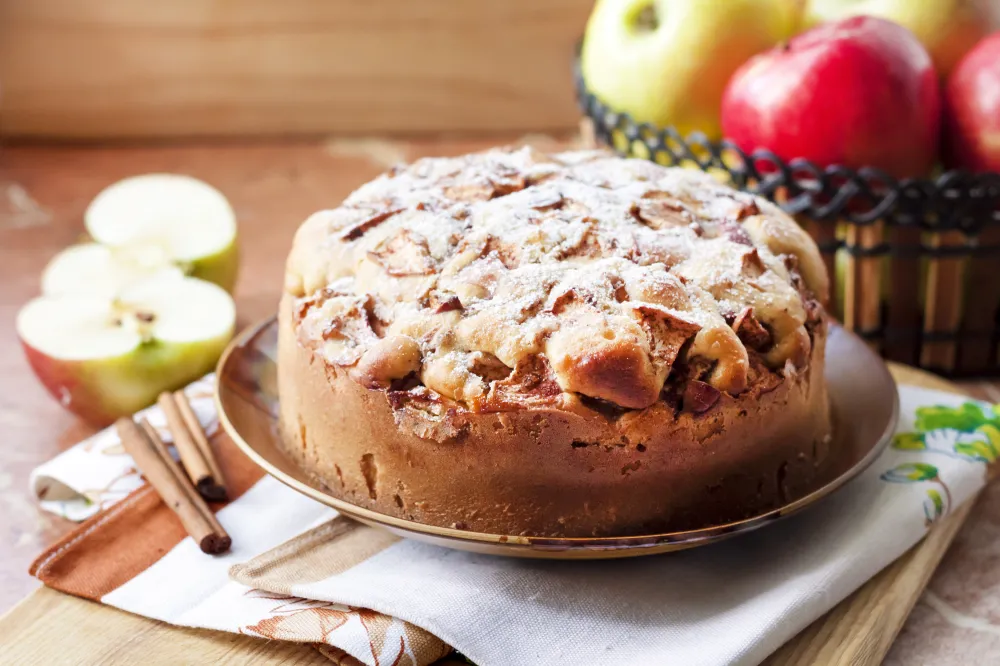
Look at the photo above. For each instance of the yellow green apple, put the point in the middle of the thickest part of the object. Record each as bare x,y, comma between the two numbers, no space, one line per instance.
668,61
947,28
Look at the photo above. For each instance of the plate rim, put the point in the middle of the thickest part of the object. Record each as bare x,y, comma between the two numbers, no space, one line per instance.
681,539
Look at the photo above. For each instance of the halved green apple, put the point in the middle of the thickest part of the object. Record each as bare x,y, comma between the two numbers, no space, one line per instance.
178,219
107,357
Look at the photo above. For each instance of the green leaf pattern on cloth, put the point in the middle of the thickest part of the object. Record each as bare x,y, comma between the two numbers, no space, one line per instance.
933,506
909,441
911,473
969,432
965,418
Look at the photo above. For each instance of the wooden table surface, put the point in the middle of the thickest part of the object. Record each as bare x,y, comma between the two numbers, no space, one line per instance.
273,187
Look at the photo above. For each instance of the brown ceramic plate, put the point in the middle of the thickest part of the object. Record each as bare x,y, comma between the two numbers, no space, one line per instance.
862,392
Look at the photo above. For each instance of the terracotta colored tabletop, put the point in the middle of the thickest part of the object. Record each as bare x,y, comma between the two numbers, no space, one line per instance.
273,187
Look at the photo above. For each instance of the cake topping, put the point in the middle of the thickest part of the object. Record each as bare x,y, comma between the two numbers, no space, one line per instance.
513,277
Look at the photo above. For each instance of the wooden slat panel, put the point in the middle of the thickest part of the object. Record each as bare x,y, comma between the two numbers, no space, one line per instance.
903,311
119,68
863,281
825,233
943,302
979,354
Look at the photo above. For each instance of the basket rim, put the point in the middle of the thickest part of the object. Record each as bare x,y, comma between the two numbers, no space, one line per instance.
954,199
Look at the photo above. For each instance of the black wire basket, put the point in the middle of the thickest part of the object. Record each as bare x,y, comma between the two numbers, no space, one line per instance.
914,263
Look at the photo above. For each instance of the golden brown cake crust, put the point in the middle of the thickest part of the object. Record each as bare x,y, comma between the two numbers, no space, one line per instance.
572,344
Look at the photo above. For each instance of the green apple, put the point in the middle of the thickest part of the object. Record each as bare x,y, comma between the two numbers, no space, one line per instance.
668,61
107,357
947,28
171,219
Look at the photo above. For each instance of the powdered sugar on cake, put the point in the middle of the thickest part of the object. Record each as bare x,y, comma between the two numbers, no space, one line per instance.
603,274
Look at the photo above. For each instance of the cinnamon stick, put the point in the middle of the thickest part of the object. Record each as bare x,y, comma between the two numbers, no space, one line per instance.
219,534
201,440
151,457
191,456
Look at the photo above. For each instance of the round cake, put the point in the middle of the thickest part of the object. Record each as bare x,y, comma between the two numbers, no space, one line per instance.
572,344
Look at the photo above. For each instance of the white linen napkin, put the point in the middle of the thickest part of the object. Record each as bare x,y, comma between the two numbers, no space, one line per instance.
729,603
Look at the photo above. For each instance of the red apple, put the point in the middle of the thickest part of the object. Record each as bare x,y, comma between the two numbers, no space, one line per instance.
972,109
858,92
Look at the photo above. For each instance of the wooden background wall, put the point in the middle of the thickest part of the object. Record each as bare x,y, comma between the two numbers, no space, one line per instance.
139,68
165,68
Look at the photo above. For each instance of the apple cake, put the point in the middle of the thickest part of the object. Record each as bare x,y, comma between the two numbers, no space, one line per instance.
572,344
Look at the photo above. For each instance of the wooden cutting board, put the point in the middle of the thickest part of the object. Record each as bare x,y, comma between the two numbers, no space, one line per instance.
49,627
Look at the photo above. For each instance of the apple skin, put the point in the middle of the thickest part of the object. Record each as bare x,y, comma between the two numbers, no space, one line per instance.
946,28
972,110
860,92
220,268
101,390
675,74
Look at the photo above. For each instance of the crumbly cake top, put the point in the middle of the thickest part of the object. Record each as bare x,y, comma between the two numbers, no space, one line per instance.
509,277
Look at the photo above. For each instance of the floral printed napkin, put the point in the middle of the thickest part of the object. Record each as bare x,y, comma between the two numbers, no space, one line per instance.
300,572
97,472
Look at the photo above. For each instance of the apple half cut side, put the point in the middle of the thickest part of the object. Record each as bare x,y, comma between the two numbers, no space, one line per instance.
97,270
179,217
104,358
